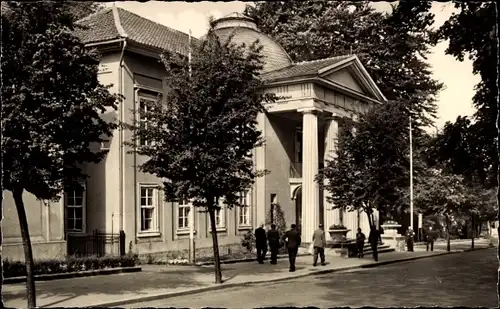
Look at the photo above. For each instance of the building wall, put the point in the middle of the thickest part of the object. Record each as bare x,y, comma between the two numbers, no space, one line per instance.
102,186
148,74
45,224
280,151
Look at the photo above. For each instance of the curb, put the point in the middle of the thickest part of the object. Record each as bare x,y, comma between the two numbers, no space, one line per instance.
88,273
280,257
243,284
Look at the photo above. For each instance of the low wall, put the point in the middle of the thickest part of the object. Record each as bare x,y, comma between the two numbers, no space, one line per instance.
41,251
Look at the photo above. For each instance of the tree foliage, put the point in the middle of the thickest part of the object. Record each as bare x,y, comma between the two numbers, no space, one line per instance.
202,135
392,46
370,169
52,103
469,146
81,9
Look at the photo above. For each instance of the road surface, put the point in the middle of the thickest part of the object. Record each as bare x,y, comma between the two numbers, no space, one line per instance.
463,279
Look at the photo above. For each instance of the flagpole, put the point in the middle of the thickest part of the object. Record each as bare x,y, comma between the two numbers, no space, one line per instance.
411,177
192,255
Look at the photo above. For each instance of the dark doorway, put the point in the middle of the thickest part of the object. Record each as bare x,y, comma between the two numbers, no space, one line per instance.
298,207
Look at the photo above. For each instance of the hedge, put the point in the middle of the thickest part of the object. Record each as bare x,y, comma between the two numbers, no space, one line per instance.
70,264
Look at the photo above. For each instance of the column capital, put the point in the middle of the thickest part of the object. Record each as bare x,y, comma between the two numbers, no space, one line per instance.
332,116
309,110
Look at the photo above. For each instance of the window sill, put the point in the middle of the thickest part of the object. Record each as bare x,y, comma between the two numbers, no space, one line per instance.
148,234
244,227
184,232
83,232
219,229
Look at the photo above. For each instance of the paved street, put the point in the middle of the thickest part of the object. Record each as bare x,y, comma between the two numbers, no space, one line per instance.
463,279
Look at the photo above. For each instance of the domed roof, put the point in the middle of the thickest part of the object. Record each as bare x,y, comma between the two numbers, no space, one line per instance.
244,30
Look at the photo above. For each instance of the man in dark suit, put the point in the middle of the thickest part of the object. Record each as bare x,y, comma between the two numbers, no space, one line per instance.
273,238
373,239
261,243
292,240
431,236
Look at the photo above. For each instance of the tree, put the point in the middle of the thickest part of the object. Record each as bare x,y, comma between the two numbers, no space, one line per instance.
81,9
200,141
392,46
443,194
370,170
51,107
473,32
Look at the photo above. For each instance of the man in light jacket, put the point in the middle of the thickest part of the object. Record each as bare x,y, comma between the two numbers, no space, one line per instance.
319,244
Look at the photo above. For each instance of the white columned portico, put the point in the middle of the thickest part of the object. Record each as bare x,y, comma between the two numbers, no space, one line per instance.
310,168
332,216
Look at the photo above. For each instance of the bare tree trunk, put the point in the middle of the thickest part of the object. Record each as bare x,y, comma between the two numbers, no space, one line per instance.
218,274
447,233
28,253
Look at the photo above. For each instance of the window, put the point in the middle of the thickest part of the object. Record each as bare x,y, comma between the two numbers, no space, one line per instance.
183,215
149,208
75,209
244,211
144,107
220,217
298,145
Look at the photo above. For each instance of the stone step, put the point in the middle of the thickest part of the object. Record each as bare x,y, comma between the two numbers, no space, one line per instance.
367,250
380,250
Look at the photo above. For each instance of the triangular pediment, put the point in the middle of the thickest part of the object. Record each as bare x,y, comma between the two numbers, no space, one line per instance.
347,78
351,74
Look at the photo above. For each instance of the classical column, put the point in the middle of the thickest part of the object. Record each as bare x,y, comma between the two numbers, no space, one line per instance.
310,168
260,182
332,216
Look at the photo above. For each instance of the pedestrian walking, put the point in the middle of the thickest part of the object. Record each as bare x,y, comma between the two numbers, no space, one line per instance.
373,239
273,238
429,238
360,242
319,244
261,243
410,234
292,241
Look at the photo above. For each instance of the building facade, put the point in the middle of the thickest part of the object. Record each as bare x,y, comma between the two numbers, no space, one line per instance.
300,134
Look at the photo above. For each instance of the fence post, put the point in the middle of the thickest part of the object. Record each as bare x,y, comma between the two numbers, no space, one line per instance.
122,243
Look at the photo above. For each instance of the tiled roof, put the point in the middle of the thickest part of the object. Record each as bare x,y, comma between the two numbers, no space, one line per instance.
302,69
102,26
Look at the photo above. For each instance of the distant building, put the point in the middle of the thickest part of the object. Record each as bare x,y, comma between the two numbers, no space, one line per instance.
300,133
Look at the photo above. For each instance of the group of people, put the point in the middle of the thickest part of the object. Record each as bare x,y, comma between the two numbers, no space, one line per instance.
292,240
430,236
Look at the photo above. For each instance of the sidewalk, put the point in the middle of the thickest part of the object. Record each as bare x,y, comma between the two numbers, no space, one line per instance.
156,282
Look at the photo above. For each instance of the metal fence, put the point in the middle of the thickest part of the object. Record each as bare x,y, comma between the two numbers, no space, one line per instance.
96,244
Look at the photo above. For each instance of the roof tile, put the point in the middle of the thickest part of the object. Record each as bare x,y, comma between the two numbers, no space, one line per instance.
303,69
102,27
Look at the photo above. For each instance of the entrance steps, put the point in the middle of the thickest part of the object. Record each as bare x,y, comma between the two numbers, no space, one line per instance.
367,250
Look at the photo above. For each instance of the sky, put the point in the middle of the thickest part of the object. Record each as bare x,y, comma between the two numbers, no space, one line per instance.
454,100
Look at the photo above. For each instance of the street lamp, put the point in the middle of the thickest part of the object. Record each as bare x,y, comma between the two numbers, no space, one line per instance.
411,176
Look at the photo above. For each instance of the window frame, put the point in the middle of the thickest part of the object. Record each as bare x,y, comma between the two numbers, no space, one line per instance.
143,97
84,211
185,204
155,223
245,199
222,215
